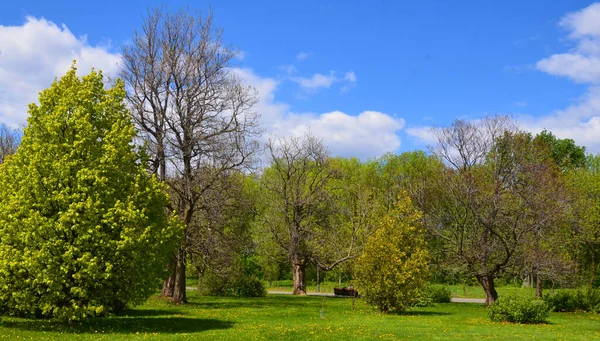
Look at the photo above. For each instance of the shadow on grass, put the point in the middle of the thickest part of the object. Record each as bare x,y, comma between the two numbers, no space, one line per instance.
257,303
148,313
121,325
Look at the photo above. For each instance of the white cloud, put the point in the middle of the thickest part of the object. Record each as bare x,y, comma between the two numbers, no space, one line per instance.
350,77
324,81
368,134
33,54
580,68
422,134
581,120
240,55
584,22
303,56
316,81
581,63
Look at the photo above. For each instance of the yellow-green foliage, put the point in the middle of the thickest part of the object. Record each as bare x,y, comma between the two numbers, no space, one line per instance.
83,230
394,263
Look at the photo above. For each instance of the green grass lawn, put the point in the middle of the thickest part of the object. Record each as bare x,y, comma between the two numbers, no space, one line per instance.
457,290
477,291
286,285
283,317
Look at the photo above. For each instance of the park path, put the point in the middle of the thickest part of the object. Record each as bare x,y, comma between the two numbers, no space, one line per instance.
323,294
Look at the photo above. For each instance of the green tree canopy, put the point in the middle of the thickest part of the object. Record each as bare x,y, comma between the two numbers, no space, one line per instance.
564,152
83,230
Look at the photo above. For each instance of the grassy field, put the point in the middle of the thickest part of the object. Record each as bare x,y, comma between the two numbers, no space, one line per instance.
283,317
477,291
326,287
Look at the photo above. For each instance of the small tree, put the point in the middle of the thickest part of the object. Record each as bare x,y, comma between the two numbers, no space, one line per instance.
83,230
394,263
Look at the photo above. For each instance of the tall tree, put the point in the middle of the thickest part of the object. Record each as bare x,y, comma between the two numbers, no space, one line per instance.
355,197
9,141
83,230
313,208
223,237
586,226
497,192
295,201
192,111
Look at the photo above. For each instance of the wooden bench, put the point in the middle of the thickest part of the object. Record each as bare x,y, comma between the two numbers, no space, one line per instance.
345,292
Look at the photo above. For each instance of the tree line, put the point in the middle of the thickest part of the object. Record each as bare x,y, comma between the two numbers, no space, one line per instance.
487,201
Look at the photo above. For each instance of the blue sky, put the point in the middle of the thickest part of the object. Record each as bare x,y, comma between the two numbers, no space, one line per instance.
367,77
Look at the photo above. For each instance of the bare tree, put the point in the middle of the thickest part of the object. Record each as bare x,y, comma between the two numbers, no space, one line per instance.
313,208
9,142
193,113
295,198
497,197
295,201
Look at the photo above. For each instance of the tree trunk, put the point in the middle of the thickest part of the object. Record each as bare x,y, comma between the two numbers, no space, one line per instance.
593,277
169,283
179,294
487,282
299,272
539,284
168,286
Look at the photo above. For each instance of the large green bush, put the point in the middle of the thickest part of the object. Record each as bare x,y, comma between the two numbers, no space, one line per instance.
83,230
250,286
212,284
518,309
434,293
440,293
574,300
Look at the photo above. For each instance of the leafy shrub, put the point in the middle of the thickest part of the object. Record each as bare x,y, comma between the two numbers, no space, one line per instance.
518,309
213,285
574,300
250,287
394,263
439,293
423,300
433,293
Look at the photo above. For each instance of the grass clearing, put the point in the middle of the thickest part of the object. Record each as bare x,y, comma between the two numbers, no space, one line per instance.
457,290
477,291
283,317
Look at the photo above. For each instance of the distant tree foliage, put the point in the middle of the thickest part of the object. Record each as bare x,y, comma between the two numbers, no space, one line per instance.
564,152
394,264
83,230
9,141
